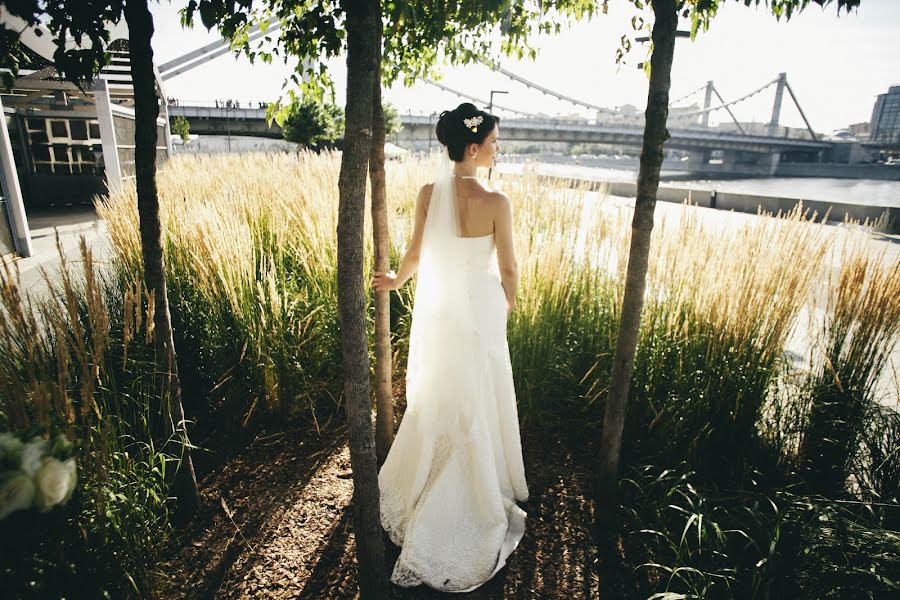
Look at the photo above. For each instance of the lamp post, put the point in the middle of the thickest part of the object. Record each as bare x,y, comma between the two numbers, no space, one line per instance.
430,130
646,38
491,101
490,108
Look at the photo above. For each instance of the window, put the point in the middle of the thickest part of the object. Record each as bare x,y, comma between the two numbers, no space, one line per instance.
59,129
72,148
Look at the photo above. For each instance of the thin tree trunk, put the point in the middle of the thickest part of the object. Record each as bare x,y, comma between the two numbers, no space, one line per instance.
384,424
146,110
362,16
655,134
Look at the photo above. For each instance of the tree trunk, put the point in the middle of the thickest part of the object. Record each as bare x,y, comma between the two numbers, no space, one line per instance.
384,424
146,111
655,134
362,17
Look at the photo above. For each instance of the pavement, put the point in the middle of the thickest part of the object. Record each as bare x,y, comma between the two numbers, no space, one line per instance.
70,224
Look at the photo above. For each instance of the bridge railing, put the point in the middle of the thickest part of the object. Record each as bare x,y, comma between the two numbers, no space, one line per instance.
627,125
593,125
226,104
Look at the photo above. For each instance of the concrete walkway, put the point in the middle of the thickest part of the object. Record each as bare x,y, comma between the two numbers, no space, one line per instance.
71,223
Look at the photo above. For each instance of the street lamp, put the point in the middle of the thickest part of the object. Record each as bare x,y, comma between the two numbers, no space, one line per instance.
490,107
491,101
430,130
678,34
646,38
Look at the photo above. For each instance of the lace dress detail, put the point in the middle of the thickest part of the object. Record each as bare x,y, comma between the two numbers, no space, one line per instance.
451,480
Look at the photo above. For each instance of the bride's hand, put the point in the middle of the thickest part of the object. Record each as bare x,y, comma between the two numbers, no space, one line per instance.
383,282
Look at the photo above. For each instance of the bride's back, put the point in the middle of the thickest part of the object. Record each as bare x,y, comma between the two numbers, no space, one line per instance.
476,207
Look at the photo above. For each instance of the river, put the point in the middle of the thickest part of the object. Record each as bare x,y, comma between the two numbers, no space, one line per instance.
869,192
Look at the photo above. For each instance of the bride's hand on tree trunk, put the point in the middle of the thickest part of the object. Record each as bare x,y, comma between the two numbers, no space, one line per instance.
384,282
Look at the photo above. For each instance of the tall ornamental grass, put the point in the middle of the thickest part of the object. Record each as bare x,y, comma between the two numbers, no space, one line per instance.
859,330
720,308
250,245
79,361
692,538
251,261
567,311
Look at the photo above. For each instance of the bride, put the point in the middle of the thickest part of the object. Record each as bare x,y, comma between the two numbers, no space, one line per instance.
450,482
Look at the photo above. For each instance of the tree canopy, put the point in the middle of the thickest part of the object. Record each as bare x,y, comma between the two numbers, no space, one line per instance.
419,37
312,123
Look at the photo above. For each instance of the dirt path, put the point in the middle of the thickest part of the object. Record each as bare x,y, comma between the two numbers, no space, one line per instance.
276,522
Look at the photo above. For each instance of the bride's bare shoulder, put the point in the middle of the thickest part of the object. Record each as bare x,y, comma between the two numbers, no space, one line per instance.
425,194
497,200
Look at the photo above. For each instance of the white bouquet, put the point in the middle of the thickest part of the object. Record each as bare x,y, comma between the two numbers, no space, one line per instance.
39,473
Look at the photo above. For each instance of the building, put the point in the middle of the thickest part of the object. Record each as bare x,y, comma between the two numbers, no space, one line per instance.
60,144
859,130
885,124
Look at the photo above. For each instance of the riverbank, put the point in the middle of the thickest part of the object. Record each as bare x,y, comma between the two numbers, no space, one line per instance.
874,203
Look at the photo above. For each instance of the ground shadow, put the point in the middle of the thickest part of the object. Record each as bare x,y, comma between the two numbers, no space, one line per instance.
42,221
555,559
292,530
241,501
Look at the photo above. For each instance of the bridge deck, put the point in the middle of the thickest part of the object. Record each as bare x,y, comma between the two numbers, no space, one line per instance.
252,121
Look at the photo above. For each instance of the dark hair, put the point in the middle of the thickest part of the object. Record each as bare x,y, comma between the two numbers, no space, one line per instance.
453,133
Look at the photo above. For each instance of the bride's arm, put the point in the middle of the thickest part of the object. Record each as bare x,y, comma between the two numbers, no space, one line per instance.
506,253
410,262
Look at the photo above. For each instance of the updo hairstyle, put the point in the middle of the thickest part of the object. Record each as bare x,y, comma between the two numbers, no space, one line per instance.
452,131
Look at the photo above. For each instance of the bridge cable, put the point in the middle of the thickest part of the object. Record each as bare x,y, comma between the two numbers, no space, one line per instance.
547,91
726,105
733,118
571,100
674,102
797,104
476,100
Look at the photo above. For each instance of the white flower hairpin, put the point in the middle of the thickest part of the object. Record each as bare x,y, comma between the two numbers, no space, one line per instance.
473,123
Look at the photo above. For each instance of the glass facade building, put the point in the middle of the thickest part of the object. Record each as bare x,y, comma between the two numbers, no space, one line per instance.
885,123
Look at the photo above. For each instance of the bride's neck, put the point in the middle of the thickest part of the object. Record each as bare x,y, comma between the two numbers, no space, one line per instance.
461,170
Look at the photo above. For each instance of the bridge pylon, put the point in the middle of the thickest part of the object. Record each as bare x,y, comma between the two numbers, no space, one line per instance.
776,107
707,102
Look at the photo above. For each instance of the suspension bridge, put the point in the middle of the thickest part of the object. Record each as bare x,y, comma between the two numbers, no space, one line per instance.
757,151
689,129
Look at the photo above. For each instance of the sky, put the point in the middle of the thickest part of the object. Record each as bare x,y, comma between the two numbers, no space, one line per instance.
835,65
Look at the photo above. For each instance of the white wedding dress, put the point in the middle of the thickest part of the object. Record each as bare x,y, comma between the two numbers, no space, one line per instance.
453,474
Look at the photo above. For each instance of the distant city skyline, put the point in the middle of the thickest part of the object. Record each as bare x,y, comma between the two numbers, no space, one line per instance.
836,66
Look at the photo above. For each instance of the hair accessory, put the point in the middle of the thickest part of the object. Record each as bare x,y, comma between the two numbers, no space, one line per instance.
473,123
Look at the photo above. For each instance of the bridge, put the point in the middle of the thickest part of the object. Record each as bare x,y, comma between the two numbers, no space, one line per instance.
758,151
215,120
206,119
566,130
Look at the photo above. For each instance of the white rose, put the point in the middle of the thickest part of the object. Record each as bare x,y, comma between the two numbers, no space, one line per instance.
55,481
16,493
33,455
